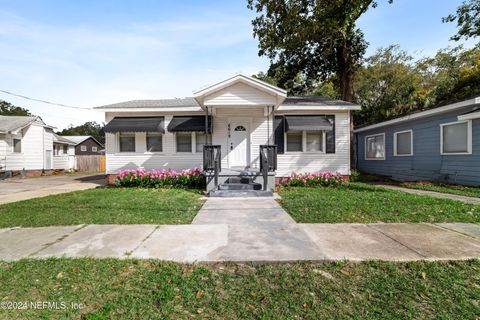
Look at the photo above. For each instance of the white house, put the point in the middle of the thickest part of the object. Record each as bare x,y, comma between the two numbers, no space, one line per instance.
29,145
310,134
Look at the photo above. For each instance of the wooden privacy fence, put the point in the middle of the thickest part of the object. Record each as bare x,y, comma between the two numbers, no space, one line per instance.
90,163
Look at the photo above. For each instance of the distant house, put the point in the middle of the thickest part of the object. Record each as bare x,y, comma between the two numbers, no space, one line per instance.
29,145
86,145
440,144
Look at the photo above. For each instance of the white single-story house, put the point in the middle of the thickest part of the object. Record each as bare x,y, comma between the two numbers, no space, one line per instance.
29,146
234,121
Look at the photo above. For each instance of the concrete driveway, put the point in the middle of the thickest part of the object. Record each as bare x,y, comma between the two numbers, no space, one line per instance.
18,189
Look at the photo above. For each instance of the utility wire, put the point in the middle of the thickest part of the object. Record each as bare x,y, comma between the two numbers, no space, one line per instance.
44,101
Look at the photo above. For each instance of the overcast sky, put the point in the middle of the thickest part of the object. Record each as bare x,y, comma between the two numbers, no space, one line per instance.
93,52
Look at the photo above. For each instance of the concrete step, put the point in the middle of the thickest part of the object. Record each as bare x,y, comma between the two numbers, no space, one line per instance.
239,193
240,186
241,179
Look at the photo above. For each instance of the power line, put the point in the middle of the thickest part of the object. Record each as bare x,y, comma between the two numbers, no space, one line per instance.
44,101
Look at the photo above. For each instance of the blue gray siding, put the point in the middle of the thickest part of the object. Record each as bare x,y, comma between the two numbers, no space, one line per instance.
426,163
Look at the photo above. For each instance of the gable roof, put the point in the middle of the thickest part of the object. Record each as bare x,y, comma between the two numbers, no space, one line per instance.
76,140
158,103
281,94
423,114
63,140
14,123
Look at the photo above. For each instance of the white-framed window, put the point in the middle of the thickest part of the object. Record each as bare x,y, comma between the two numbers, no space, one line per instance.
456,138
17,145
83,148
94,149
403,143
305,141
183,141
154,142
375,147
126,142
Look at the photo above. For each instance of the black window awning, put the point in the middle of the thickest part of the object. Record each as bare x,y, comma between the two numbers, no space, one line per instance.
307,123
189,124
135,124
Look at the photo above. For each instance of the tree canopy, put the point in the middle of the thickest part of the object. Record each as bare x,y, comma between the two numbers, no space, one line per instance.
8,109
309,40
87,129
467,18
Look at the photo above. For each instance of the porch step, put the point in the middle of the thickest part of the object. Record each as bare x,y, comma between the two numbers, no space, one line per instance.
239,193
240,186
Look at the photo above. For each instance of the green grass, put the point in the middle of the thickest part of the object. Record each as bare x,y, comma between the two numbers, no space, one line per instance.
132,289
362,203
104,206
445,188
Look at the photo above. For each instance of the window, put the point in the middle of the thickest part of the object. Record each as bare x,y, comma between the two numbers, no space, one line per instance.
200,141
305,141
127,142
294,142
94,149
456,138
65,149
17,145
154,142
184,142
83,148
375,147
403,143
315,141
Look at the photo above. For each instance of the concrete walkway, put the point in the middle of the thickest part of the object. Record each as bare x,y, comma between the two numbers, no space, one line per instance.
18,189
241,230
441,195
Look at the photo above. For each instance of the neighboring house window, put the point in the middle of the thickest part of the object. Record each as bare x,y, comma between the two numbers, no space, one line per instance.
154,142
305,141
83,148
184,142
127,142
65,149
456,138
200,141
94,149
403,143
17,145
294,141
375,147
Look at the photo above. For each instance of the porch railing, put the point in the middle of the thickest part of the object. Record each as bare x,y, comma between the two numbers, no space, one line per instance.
268,162
212,160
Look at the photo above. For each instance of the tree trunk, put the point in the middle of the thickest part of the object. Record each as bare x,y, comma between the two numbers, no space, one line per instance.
346,74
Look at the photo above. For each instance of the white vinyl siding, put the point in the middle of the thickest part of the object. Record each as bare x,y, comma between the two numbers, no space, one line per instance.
239,94
375,147
456,138
403,143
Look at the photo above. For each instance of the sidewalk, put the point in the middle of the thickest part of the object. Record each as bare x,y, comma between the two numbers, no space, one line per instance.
470,200
240,230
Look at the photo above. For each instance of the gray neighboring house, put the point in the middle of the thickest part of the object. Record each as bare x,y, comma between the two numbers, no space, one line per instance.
86,145
440,144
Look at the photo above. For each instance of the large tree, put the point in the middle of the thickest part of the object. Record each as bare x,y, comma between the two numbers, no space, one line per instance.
467,18
311,39
87,129
8,109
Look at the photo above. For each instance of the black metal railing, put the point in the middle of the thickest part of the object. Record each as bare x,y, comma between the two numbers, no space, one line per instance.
212,160
268,162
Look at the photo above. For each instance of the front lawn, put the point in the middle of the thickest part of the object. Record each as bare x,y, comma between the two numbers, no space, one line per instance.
132,289
104,206
362,203
445,188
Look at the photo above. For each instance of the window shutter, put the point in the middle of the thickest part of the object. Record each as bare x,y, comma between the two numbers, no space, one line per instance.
331,135
279,126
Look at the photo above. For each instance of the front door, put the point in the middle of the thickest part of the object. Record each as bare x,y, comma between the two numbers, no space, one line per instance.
238,153
48,159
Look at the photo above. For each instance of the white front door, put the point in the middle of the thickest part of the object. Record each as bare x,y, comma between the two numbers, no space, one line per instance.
239,143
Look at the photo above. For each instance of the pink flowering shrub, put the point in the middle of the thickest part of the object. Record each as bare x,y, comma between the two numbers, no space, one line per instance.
324,179
191,178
